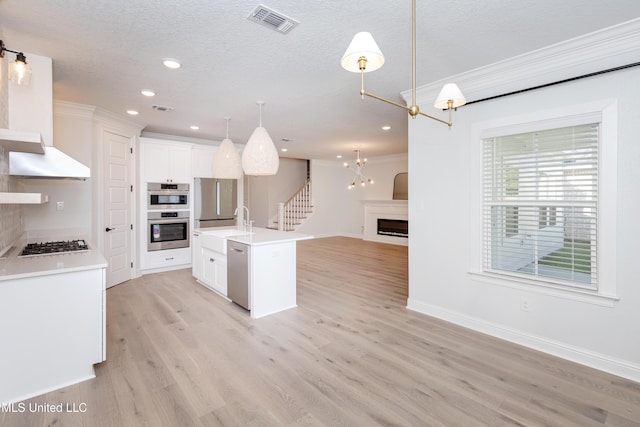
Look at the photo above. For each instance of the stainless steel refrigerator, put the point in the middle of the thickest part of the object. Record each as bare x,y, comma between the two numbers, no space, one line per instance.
215,202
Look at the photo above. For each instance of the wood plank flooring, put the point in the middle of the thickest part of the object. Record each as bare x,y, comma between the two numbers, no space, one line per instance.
349,355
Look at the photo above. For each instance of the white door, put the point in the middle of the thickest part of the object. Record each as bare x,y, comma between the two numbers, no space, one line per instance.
117,207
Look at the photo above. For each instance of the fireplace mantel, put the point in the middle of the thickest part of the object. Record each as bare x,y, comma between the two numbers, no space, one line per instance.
386,209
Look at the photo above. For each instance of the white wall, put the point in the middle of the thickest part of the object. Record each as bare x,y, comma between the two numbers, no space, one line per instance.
73,135
265,192
444,223
338,210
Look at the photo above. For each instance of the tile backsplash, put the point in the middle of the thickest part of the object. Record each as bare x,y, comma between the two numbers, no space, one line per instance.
10,215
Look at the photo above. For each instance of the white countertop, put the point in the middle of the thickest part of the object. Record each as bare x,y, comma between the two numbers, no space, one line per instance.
14,267
260,236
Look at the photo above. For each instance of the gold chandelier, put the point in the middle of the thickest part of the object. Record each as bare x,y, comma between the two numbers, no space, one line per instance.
363,52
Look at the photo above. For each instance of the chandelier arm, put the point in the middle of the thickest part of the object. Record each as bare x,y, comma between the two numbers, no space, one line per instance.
404,107
379,98
448,123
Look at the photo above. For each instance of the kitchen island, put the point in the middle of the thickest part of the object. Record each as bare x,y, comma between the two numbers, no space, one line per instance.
52,312
271,263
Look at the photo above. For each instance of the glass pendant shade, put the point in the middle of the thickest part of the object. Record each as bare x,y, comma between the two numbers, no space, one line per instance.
260,156
449,92
226,161
19,71
361,45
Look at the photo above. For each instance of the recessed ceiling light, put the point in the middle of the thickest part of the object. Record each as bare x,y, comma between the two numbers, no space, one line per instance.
284,150
171,63
194,127
147,92
132,112
339,156
386,127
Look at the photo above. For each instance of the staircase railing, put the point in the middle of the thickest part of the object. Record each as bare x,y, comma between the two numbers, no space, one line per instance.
296,208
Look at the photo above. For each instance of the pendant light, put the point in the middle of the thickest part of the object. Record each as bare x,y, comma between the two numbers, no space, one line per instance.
226,161
260,156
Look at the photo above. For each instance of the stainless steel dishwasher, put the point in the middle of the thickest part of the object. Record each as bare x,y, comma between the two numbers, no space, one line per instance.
238,256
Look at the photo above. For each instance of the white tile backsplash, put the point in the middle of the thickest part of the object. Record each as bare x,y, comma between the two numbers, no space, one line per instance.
10,215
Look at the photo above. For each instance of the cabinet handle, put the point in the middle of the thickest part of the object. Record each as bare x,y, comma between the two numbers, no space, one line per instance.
168,259
212,260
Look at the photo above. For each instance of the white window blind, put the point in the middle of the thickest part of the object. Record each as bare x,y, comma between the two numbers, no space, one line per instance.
540,205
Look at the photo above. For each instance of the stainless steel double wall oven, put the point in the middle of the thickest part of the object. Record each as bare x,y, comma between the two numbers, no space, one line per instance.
167,216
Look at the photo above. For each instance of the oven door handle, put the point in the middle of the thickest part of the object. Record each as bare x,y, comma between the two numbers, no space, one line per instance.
169,221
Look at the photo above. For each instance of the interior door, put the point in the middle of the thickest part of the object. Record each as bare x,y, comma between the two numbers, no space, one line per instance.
117,207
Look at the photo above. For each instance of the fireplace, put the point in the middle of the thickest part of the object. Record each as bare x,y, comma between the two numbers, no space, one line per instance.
393,227
386,221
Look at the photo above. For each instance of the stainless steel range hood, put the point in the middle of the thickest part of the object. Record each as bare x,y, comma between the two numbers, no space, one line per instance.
53,164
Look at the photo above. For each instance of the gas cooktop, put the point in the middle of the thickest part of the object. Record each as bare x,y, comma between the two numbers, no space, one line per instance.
48,248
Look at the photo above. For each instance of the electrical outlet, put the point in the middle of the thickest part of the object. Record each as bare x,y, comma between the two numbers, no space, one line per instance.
60,206
525,305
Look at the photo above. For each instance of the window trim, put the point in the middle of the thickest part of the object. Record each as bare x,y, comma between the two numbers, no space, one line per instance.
602,111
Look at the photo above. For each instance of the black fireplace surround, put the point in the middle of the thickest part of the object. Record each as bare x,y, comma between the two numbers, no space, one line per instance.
393,227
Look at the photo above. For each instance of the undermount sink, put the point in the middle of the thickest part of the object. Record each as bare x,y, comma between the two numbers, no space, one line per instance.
228,232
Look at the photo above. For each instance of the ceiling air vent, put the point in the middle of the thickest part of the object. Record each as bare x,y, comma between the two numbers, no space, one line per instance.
162,108
272,19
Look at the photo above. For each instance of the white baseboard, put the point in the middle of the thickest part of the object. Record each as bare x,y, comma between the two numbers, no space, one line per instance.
579,355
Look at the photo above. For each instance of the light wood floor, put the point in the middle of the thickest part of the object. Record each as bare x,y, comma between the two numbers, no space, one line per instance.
349,355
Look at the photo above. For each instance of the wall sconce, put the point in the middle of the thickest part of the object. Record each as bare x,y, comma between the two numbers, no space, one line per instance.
19,70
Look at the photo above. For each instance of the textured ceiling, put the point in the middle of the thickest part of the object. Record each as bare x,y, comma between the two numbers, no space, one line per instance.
105,52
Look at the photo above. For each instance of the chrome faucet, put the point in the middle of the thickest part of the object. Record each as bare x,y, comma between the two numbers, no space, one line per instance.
247,225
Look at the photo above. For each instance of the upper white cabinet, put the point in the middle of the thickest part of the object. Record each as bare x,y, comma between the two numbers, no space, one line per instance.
163,161
202,160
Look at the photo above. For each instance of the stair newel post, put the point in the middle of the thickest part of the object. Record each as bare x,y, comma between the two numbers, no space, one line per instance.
281,216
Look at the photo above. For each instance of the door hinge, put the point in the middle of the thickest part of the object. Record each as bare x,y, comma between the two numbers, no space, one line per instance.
132,188
131,264
131,150
132,226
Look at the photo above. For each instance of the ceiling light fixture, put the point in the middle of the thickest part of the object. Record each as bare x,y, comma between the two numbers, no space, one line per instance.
19,70
226,160
147,92
132,112
194,127
260,156
357,170
363,51
171,63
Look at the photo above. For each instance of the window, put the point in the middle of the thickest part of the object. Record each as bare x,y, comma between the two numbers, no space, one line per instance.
540,205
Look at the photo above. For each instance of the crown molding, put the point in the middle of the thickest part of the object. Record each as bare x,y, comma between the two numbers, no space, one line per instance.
607,48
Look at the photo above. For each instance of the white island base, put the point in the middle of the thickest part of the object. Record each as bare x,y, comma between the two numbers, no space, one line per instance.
272,265
273,278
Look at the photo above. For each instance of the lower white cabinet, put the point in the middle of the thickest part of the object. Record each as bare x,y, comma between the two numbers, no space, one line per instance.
214,270
53,330
166,259
209,265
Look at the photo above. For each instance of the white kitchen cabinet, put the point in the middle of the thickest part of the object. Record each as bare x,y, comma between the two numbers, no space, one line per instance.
214,268
163,161
202,161
54,327
167,259
196,255
209,263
